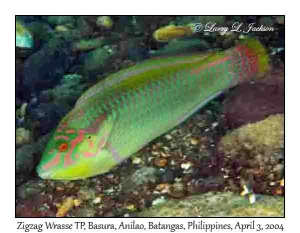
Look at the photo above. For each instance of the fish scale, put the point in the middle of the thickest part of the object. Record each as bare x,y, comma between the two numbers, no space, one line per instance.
124,112
148,122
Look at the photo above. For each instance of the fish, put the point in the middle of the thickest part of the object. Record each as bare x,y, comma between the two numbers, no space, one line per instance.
122,113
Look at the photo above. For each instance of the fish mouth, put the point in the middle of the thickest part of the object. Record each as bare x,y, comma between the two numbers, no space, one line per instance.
52,175
44,174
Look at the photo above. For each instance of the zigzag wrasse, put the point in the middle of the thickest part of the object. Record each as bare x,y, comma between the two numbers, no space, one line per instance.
122,113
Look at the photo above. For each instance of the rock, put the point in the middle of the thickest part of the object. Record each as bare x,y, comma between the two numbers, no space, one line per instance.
23,136
41,32
24,38
67,92
218,205
47,116
133,49
61,28
30,188
28,18
36,206
19,77
253,152
139,177
85,28
96,60
167,176
104,21
87,44
249,103
58,20
266,21
267,133
46,67
28,155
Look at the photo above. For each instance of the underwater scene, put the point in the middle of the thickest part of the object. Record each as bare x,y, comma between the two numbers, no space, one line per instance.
149,116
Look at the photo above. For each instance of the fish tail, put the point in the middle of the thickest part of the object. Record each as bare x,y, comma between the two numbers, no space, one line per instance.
257,57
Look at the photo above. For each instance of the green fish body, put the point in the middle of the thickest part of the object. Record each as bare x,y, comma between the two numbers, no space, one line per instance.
124,112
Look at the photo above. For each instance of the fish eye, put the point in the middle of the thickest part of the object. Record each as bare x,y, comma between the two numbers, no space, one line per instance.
63,147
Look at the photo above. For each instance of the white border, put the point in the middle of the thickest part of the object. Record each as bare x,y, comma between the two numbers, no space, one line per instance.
7,200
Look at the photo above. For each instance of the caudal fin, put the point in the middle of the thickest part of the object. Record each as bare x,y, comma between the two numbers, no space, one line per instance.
258,52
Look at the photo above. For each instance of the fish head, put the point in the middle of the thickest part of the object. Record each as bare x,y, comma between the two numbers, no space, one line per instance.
77,153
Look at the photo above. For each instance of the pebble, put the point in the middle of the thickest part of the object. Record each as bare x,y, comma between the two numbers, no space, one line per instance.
23,109
272,183
63,209
215,124
154,153
158,201
163,188
281,183
136,160
97,200
161,162
166,149
168,137
178,187
77,202
186,166
168,176
104,21
131,207
278,169
23,136
194,141
241,37
61,28
58,188
252,198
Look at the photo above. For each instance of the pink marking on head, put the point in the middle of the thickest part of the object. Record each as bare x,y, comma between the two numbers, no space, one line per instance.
70,131
92,129
59,130
88,154
62,137
101,144
77,156
55,161
68,160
